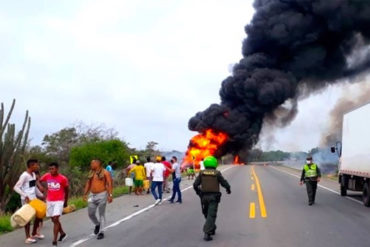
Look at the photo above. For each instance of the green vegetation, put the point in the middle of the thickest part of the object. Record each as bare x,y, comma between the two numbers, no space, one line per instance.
106,150
5,224
119,191
12,153
258,155
78,202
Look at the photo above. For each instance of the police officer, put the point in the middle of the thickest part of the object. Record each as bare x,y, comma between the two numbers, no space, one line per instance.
207,186
311,175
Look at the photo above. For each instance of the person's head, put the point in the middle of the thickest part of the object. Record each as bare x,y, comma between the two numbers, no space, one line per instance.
33,165
309,160
163,158
53,168
158,158
138,162
114,165
173,159
148,159
134,161
210,162
95,164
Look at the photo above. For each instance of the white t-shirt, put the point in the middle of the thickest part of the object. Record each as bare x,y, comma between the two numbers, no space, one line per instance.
158,170
26,186
176,167
202,168
148,168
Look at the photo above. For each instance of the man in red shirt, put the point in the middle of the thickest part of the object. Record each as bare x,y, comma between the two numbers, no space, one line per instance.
57,198
167,173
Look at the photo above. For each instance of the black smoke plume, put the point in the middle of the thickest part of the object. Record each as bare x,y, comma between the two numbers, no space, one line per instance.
293,48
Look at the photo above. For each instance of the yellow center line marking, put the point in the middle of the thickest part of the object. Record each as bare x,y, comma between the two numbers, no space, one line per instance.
252,210
252,187
261,200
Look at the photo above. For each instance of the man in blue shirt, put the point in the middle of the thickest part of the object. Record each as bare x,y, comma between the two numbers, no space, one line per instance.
109,168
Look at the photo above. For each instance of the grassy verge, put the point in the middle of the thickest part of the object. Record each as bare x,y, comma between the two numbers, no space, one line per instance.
5,224
77,201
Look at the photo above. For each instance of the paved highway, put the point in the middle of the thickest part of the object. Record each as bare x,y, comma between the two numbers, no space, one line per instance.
267,207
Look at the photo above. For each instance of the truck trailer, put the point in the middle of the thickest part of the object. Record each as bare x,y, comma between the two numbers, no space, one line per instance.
354,152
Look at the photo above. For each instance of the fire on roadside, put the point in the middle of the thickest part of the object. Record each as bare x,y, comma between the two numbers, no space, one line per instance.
203,145
237,160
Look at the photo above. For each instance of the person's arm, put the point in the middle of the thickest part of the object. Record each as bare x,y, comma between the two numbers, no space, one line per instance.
170,170
223,182
66,194
87,189
302,177
131,171
18,186
40,187
39,194
197,183
109,185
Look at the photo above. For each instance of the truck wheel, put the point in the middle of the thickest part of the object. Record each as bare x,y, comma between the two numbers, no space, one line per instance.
343,186
343,190
366,195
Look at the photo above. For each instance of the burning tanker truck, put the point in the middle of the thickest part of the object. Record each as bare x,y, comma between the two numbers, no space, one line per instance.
293,48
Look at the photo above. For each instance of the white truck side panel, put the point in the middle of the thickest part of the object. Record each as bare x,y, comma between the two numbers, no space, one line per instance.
355,158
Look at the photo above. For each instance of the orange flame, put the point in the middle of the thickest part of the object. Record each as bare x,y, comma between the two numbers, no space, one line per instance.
237,160
203,145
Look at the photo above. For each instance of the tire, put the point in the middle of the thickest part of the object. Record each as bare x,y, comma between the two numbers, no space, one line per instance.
366,195
343,186
343,190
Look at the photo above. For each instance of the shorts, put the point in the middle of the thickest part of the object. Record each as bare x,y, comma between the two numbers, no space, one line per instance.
139,183
54,208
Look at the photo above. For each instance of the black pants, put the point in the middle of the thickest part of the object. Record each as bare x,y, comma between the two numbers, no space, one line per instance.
311,190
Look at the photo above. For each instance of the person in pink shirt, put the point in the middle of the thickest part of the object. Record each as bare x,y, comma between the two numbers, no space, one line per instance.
57,199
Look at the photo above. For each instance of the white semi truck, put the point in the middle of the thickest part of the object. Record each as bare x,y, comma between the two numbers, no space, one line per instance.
354,152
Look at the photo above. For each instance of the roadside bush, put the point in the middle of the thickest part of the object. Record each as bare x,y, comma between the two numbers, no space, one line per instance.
5,224
107,150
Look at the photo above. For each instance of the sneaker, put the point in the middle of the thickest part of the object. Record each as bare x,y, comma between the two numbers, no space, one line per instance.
54,243
170,201
63,237
30,241
179,202
157,202
38,236
100,236
97,229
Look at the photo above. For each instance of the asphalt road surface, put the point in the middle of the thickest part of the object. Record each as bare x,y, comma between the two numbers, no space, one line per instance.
267,207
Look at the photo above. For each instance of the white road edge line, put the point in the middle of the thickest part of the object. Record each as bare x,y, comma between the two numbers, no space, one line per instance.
132,215
319,185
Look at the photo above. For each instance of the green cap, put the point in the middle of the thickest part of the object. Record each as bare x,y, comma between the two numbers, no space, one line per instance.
210,161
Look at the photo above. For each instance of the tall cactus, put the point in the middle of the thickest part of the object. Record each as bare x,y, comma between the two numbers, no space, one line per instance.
12,150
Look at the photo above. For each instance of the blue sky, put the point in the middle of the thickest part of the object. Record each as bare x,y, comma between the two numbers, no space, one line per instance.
141,67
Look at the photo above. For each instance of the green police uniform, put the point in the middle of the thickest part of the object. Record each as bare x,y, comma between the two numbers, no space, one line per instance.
207,186
310,174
